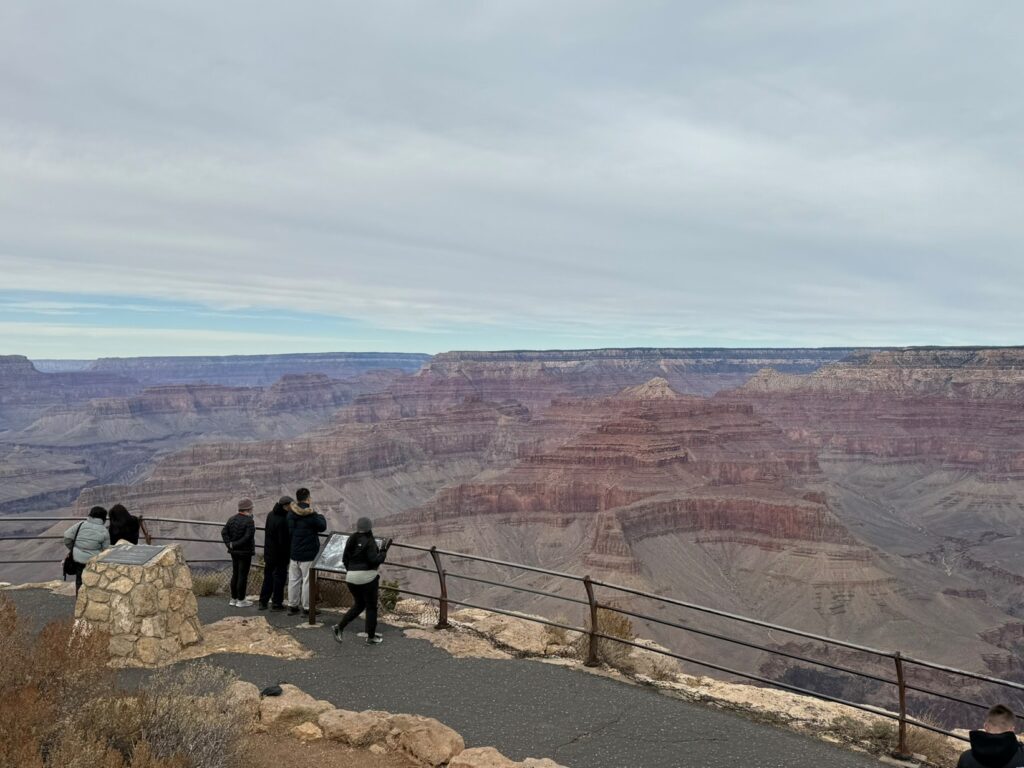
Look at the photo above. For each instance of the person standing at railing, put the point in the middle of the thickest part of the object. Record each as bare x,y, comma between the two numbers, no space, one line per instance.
87,539
361,558
239,535
996,745
277,547
124,526
305,526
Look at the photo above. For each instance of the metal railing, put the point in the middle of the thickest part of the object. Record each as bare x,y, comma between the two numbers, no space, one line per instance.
587,597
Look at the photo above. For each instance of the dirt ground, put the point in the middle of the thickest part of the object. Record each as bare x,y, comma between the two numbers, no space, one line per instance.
265,751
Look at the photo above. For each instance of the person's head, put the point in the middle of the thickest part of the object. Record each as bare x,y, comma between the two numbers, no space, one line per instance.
284,502
302,495
99,513
1000,719
364,525
245,507
119,514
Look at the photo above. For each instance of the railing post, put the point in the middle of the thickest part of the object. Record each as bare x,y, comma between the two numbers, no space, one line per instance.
314,593
145,531
592,660
442,601
901,752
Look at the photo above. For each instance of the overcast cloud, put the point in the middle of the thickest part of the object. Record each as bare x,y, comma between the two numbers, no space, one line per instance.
434,175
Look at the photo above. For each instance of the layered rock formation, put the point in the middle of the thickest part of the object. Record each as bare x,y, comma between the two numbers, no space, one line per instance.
26,392
255,370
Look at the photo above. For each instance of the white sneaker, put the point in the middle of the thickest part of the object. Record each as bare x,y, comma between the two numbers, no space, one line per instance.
233,602
363,634
244,604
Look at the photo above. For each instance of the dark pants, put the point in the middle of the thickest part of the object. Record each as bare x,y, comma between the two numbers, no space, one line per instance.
365,597
79,570
239,575
275,577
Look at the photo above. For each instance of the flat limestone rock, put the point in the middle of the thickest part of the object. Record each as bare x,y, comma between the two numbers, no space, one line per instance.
243,634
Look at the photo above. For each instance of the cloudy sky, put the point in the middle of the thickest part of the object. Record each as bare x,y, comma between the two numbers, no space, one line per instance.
239,177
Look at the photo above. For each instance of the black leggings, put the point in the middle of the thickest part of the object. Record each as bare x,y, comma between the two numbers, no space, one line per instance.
239,575
79,570
275,577
365,597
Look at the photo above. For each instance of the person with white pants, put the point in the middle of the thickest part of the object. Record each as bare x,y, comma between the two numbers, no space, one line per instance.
305,526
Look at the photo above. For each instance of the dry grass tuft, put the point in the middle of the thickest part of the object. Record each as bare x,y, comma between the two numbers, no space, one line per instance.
60,708
210,583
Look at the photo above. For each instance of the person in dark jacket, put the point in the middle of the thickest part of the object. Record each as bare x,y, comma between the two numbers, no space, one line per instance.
124,526
239,534
87,539
305,526
361,558
996,745
277,550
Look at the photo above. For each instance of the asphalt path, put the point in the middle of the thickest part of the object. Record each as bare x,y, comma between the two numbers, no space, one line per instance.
523,708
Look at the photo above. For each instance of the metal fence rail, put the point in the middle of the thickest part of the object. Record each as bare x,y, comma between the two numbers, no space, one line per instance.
593,629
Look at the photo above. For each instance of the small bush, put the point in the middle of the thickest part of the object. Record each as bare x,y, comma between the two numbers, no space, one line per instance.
210,583
60,709
610,652
389,594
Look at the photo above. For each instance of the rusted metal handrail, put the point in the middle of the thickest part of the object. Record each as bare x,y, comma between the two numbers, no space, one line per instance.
594,634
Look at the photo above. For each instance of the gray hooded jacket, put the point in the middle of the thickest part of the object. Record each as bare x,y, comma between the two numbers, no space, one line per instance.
93,538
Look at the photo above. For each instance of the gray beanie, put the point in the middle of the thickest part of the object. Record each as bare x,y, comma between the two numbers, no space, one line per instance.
364,525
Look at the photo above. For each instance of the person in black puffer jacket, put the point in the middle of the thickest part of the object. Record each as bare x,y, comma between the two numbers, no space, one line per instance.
239,535
277,550
304,525
362,557
124,526
996,746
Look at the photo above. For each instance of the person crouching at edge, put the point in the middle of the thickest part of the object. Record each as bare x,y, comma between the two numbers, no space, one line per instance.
304,527
361,559
86,540
996,745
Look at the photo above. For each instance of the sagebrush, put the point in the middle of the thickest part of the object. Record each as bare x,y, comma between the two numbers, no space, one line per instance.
60,706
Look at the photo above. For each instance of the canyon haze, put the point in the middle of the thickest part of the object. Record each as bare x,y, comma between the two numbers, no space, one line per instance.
872,495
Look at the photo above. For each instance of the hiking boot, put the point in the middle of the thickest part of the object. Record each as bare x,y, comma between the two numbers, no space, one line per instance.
375,640
305,611
293,611
338,629
276,607
262,607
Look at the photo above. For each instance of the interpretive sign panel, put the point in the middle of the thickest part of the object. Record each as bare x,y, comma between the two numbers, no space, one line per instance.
139,554
330,557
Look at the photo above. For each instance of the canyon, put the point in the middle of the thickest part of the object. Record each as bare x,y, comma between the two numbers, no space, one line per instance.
873,495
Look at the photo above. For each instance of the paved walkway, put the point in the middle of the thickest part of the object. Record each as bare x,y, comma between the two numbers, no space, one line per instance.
524,708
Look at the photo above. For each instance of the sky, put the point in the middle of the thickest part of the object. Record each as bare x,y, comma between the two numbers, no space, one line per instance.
245,177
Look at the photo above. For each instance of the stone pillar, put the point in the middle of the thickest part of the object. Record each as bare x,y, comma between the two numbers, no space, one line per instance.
149,610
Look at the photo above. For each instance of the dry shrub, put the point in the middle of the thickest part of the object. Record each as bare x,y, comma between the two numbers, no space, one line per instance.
209,583
610,652
59,707
556,635
936,748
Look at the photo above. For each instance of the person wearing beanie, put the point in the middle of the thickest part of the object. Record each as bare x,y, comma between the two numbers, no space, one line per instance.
277,545
239,535
361,558
305,526
85,540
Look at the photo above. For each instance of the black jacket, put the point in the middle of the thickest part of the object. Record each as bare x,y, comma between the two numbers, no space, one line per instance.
277,541
992,750
239,534
129,531
304,524
362,553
